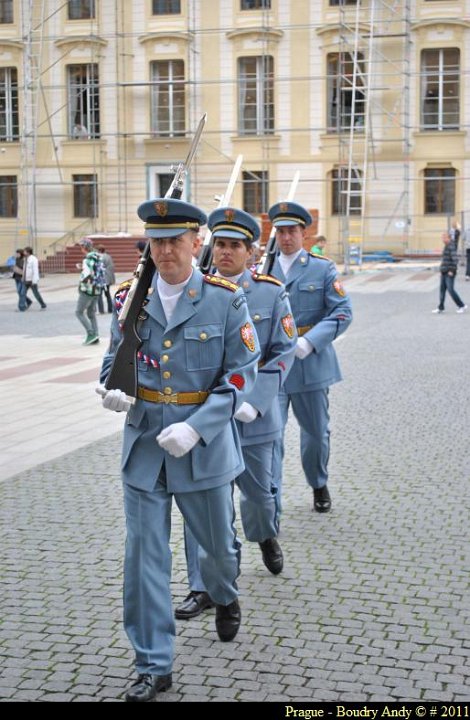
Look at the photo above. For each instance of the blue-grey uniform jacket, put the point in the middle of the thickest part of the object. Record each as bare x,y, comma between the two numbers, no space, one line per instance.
270,312
322,311
208,345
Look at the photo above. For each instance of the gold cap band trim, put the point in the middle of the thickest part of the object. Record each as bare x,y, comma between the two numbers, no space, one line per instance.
166,226
298,220
238,228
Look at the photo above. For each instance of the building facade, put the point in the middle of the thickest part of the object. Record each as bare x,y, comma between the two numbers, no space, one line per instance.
368,100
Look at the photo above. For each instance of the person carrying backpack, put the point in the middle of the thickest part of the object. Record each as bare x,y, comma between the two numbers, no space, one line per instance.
90,286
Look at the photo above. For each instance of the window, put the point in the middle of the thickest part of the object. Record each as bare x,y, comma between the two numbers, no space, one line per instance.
255,191
255,4
84,101
440,89
9,120
439,191
339,192
6,11
167,97
8,196
166,7
164,181
81,9
85,196
346,92
256,95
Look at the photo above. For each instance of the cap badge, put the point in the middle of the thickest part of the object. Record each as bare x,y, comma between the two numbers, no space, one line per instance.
161,208
229,215
283,207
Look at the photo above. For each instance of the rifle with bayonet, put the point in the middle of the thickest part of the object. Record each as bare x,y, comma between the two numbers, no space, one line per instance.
269,255
123,372
205,258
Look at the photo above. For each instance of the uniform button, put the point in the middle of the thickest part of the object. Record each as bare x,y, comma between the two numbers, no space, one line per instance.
165,358
256,317
246,284
167,391
311,287
303,260
167,374
167,343
203,336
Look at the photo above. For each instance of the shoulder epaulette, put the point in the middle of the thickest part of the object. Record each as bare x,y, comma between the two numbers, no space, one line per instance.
124,286
320,257
266,278
220,282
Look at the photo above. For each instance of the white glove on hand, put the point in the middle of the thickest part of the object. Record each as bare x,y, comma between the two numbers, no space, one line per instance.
246,413
303,348
114,399
178,439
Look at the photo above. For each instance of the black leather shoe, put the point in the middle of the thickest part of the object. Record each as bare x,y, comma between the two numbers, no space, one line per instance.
272,555
146,687
193,605
321,499
227,620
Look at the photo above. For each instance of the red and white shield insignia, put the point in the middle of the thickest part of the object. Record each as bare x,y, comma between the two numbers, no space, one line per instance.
338,287
288,325
248,336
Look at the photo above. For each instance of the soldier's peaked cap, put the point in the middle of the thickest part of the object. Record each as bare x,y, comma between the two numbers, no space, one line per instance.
168,217
230,222
289,213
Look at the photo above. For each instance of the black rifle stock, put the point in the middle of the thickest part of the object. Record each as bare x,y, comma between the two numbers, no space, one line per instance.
269,256
205,259
123,372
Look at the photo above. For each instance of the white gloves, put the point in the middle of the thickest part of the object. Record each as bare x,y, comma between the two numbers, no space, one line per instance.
178,439
246,413
114,399
303,348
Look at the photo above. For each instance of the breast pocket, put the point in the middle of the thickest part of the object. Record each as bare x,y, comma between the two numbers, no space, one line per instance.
310,296
262,324
204,346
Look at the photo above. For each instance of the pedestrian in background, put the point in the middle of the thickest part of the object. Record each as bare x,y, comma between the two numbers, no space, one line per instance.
448,270
17,275
140,247
109,280
31,276
454,234
466,241
89,288
318,248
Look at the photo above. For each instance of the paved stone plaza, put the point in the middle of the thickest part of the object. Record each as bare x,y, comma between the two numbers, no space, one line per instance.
374,601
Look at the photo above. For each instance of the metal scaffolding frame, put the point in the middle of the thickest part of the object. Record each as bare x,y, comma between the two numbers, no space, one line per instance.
363,43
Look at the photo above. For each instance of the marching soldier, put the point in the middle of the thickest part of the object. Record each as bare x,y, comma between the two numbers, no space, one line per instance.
197,361
258,418
322,311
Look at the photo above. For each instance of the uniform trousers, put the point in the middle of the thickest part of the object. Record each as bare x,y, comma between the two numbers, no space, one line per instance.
148,612
258,507
311,410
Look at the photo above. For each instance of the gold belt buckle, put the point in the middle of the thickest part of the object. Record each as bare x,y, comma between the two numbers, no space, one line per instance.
173,398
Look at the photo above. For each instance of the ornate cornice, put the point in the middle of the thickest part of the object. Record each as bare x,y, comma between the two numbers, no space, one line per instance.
81,40
270,34
168,35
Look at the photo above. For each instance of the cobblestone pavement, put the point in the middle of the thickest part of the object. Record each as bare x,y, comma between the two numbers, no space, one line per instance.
374,600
